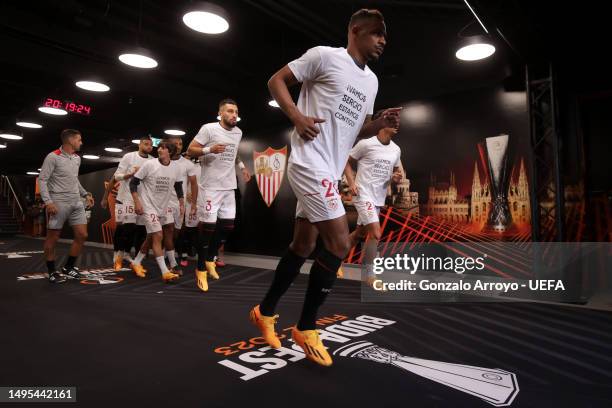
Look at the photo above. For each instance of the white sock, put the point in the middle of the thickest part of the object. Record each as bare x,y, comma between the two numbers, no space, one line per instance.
171,258
162,264
139,258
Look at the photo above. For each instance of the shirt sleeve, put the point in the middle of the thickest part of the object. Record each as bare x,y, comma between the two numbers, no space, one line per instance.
122,168
203,136
143,171
43,178
192,171
308,66
358,150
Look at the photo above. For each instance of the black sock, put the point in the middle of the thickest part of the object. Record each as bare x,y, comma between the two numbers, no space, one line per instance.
286,271
140,234
225,227
322,278
70,262
51,266
118,238
192,240
178,245
127,238
206,231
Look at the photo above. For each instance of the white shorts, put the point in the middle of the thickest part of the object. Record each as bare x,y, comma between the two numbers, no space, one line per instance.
168,218
176,217
367,212
152,222
214,204
140,219
190,220
129,214
316,192
119,211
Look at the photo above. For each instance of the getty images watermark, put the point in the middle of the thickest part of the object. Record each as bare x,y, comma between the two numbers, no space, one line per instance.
404,263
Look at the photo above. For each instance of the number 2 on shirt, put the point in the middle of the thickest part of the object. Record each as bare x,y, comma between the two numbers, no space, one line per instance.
330,188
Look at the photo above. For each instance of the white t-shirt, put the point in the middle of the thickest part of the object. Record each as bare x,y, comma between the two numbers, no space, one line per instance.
127,164
334,88
375,167
157,184
186,168
219,170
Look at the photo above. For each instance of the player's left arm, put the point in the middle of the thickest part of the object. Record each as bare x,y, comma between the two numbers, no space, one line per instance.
193,183
246,176
178,187
86,194
389,118
396,177
107,190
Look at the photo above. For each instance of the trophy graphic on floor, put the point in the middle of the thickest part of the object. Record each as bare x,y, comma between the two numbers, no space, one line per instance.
493,385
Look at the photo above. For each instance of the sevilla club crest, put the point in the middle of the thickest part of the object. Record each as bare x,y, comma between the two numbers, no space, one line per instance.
269,171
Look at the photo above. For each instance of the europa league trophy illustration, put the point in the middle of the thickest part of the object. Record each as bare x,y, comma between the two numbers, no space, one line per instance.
495,386
500,218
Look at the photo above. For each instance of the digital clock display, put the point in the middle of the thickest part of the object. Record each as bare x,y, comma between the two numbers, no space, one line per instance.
68,106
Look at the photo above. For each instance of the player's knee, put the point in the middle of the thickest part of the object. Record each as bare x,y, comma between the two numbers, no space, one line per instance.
340,248
302,248
375,235
49,244
81,236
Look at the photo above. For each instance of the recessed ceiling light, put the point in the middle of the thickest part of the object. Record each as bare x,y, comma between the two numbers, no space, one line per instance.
93,86
475,47
10,136
174,132
274,104
475,52
52,111
38,169
29,125
91,156
138,60
206,18
33,173
113,149
2,146
136,141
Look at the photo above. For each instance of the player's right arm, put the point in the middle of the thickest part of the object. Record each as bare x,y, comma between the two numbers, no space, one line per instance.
43,178
107,190
279,85
134,182
199,146
307,67
350,175
122,170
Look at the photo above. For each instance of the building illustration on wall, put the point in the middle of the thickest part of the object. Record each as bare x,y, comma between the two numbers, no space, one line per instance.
444,202
399,196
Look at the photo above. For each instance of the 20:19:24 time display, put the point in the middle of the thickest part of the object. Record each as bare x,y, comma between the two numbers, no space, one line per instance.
68,106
